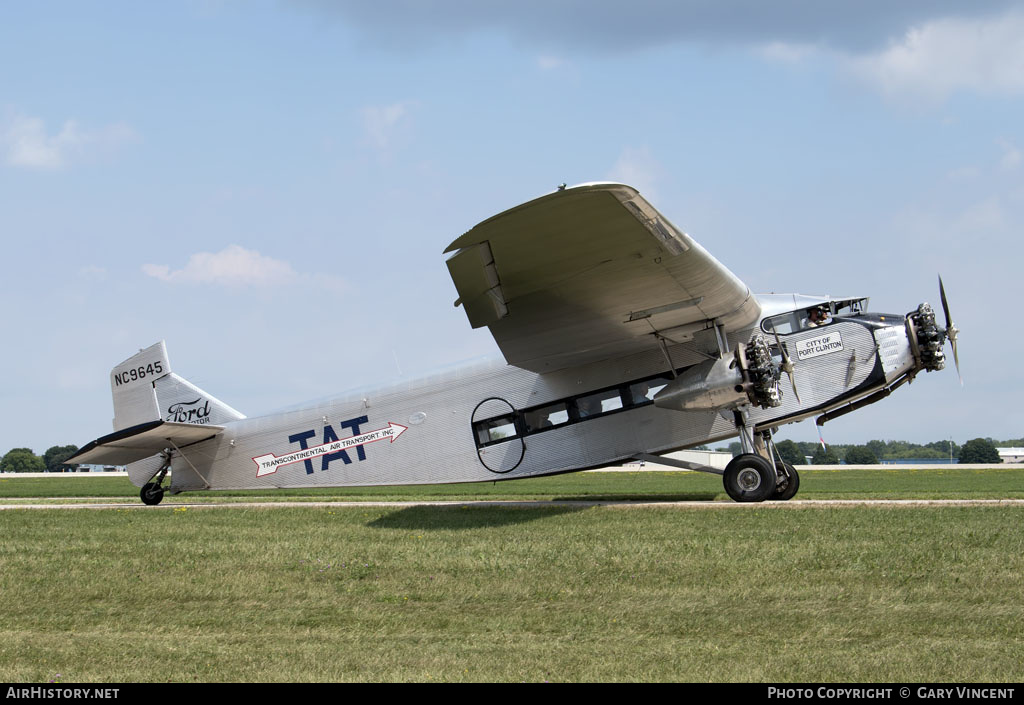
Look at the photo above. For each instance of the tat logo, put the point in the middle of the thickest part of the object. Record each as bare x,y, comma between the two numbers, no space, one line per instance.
189,412
329,437
333,447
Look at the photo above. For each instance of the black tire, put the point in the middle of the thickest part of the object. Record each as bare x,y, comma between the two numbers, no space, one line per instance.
151,494
791,488
749,478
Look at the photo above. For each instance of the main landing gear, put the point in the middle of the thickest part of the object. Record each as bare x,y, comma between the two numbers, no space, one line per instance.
750,478
153,491
756,475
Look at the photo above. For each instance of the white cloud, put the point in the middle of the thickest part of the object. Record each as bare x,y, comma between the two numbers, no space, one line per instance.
787,53
639,169
26,143
385,123
942,56
1011,155
550,63
234,266
849,27
964,174
92,272
986,216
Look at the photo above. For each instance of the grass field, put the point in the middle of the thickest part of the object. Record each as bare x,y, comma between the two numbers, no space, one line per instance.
896,483
559,593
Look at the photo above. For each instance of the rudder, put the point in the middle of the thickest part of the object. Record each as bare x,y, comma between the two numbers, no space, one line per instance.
145,389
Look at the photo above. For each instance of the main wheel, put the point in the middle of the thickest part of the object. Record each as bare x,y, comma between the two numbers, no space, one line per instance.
791,487
749,478
152,493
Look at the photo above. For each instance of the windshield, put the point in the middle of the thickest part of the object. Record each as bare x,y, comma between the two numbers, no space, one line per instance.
811,317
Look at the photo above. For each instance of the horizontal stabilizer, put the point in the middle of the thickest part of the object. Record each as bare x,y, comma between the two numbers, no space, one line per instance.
137,442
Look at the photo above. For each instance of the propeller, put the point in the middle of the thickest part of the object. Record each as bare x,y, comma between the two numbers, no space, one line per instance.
951,330
787,364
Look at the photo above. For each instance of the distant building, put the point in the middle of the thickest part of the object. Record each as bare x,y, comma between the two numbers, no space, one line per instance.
711,458
99,468
917,461
1011,455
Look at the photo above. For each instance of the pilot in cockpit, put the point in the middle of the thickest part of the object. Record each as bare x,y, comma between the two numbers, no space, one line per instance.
817,316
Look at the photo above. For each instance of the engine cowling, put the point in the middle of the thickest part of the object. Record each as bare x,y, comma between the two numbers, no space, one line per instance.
926,338
746,376
714,384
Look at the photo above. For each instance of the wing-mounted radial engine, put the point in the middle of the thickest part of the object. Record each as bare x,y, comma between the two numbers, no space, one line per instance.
744,376
735,381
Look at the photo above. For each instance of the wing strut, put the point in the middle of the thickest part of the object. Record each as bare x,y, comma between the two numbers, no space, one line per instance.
664,351
196,471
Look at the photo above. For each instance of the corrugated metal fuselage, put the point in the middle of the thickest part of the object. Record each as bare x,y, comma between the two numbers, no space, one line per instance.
432,430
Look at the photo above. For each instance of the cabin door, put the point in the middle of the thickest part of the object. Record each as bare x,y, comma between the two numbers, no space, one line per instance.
499,439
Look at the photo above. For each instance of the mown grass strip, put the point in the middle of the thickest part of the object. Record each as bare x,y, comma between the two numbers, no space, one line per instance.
506,594
895,483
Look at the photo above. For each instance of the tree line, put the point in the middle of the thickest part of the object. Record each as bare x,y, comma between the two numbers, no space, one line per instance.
25,460
978,450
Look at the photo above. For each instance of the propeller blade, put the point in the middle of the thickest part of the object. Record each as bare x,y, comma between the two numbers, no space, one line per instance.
956,360
787,365
951,330
785,357
945,304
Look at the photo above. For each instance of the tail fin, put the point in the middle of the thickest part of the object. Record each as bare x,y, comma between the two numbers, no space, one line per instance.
145,389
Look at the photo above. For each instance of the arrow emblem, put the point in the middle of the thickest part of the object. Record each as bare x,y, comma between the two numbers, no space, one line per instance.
268,464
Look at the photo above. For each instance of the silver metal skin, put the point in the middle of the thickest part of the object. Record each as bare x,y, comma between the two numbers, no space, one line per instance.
711,385
595,377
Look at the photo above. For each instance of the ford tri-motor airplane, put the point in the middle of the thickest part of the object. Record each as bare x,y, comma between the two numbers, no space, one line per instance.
623,339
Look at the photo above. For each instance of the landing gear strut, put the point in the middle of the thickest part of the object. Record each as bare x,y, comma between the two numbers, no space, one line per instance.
755,475
153,491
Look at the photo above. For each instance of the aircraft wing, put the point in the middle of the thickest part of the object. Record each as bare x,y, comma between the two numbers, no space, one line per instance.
138,442
588,273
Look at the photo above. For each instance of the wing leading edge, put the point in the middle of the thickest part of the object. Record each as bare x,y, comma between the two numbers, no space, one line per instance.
588,273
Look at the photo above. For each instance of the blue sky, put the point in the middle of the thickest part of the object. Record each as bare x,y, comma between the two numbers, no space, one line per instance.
269,186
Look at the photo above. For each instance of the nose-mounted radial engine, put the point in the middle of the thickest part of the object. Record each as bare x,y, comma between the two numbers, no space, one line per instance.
927,338
748,377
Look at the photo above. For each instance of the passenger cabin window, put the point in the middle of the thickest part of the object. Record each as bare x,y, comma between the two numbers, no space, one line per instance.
497,429
643,392
599,403
546,417
568,411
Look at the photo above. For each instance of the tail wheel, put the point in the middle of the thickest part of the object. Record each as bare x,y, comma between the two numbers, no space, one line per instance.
792,484
749,478
152,493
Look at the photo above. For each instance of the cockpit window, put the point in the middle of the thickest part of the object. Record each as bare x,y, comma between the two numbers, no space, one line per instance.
813,316
850,308
795,321
783,324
